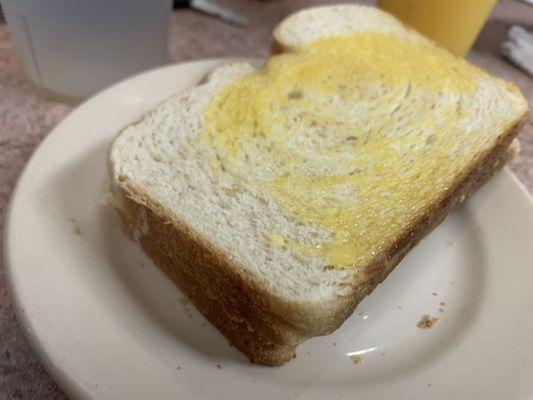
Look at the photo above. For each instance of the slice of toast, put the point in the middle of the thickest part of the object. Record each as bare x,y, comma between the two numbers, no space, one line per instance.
277,199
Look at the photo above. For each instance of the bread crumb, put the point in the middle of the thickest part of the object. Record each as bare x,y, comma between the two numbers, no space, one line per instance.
441,310
184,301
203,324
142,264
442,303
429,384
188,312
77,230
427,322
308,353
356,359
434,293
334,343
399,307
219,366
178,368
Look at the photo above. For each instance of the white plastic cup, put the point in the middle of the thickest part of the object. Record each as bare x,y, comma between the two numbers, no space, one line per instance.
73,48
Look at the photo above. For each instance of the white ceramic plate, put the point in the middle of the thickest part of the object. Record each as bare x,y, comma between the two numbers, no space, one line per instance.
109,325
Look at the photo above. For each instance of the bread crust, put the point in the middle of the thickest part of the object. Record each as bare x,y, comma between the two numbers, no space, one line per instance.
230,301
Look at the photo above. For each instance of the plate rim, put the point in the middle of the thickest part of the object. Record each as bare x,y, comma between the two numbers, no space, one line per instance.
60,376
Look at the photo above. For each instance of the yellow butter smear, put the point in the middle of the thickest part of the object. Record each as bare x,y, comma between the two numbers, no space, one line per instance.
352,135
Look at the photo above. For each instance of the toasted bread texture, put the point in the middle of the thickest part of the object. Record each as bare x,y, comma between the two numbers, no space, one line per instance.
277,199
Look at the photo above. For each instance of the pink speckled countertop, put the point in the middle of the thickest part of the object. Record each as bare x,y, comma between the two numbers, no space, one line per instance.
26,118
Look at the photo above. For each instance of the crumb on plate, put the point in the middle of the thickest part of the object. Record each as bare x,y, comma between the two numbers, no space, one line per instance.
427,322
356,359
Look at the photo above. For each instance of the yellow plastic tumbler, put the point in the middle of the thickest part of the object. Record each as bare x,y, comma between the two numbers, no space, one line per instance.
453,24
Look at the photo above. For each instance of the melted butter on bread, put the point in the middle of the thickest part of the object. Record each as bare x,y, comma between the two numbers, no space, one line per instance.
353,134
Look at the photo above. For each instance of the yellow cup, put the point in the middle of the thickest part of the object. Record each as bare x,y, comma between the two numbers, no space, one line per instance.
453,24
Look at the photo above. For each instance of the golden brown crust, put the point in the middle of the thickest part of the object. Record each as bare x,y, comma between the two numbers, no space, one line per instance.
276,47
232,303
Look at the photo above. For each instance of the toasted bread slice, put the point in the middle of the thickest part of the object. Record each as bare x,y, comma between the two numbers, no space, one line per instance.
278,199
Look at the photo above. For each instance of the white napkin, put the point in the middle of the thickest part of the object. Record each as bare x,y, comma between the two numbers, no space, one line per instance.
518,48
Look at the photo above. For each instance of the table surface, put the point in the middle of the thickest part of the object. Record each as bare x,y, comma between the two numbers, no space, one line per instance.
26,118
